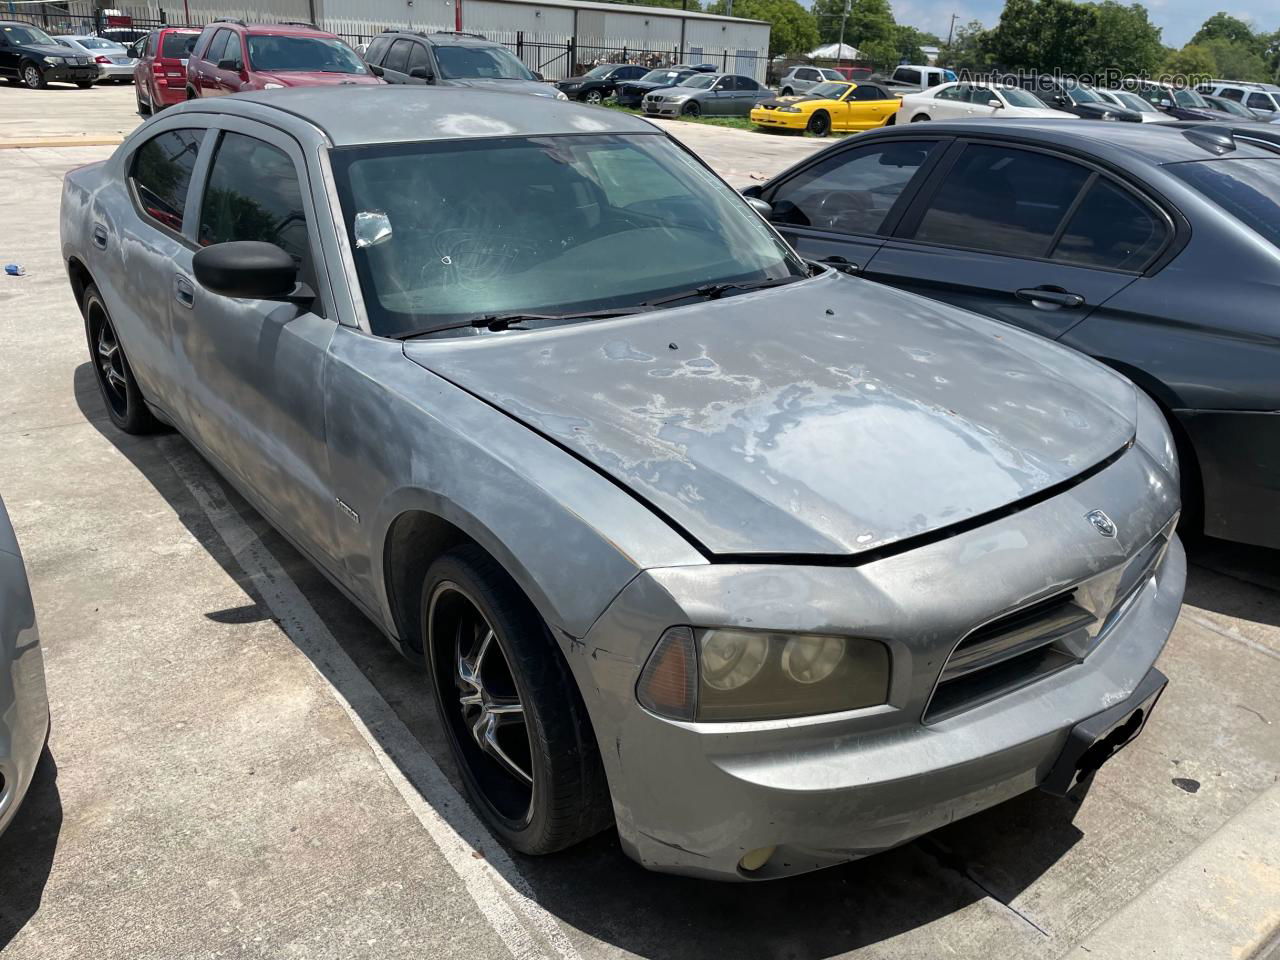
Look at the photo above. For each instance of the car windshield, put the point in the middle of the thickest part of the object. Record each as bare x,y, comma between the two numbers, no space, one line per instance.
1134,102
1189,98
275,53
177,46
601,71
1083,95
699,81
1021,98
97,43
1249,190
28,35
661,76
446,231
480,63
829,91
1229,106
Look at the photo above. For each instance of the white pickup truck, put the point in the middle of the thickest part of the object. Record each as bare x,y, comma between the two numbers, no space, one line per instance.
909,77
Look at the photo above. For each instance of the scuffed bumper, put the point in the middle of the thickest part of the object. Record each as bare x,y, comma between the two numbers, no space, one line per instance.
24,707
694,798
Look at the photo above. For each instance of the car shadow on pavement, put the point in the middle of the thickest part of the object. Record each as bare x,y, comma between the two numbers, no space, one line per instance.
982,862
26,850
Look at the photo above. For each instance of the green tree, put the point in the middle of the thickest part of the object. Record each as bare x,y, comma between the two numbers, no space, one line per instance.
909,41
828,14
872,30
966,51
1044,35
1223,26
1191,62
794,30
1124,39
1236,61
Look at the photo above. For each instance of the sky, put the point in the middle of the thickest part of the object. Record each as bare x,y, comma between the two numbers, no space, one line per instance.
1178,19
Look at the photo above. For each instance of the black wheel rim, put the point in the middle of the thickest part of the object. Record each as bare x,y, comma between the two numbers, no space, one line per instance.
818,124
693,110
482,704
112,372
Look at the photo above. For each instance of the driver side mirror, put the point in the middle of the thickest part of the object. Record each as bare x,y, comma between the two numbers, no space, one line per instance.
229,64
376,70
247,270
423,74
537,75
1166,103
993,102
762,207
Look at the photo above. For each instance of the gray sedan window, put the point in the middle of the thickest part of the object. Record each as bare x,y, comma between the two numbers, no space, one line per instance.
1111,228
161,174
1249,190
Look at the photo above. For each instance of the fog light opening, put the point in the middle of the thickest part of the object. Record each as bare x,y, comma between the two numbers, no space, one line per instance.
753,860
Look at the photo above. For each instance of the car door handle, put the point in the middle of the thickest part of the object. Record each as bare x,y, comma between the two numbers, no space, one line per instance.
99,236
841,264
184,291
1049,298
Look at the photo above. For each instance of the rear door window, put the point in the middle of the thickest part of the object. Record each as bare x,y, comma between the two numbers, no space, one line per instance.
161,175
1112,228
398,56
851,191
1002,200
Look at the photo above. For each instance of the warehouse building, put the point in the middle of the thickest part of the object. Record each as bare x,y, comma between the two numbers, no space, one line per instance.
554,37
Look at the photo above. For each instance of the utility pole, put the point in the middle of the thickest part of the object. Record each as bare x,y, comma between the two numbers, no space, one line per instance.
951,29
844,13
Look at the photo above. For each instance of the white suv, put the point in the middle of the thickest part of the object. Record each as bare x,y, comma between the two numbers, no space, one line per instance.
803,79
1262,98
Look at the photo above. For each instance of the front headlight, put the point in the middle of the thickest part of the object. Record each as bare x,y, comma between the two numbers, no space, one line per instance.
560,95
730,674
55,61
1155,437
788,109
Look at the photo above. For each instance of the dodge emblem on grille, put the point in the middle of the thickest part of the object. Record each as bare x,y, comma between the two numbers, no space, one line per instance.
1101,522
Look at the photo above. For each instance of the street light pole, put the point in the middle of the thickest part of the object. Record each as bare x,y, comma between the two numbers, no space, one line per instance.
951,29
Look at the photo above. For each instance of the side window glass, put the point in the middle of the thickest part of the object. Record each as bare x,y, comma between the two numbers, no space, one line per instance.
950,93
863,92
419,58
853,191
217,47
161,174
1002,200
398,57
253,194
1232,94
746,83
1111,228
377,49
1260,101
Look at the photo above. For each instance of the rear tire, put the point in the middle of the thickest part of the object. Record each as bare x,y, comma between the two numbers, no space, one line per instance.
191,94
787,92
144,109
120,392
496,670
819,123
85,84
920,118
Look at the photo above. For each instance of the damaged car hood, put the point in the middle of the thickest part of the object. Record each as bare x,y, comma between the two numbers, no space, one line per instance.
829,417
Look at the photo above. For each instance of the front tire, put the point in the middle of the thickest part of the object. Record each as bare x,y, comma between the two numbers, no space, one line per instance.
85,84
692,110
511,711
120,392
32,77
787,92
594,97
819,124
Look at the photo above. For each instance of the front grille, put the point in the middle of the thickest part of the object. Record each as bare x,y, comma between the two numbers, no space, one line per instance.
1042,637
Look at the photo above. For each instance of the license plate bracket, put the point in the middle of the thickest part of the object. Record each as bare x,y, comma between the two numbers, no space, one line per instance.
1094,741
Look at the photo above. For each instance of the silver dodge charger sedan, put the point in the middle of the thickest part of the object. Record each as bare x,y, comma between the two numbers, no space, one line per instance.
24,707
770,566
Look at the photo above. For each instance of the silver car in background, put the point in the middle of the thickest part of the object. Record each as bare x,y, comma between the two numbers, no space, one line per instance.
710,94
24,707
769,566
802,79
115,64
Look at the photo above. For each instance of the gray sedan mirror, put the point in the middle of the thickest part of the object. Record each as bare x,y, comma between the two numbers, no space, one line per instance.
246,269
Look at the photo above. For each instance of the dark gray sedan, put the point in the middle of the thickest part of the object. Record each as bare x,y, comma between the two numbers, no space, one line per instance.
1152,247
712,94
770,566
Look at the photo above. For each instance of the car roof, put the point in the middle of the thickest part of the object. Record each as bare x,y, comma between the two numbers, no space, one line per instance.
446,38
403,113
1152,143
272,29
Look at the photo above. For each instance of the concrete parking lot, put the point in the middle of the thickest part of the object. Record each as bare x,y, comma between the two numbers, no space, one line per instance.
240,765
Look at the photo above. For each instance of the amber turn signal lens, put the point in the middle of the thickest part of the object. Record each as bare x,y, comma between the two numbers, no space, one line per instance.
668,682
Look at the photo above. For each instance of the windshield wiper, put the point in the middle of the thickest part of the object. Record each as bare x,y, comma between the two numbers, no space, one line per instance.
714,291
504,321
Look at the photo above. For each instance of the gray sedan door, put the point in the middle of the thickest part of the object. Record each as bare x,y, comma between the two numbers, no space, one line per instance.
255,392
1000,230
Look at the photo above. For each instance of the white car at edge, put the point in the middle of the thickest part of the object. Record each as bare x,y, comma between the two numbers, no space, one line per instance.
955,101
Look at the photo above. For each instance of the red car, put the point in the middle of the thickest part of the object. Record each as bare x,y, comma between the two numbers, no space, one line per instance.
160,75
232,56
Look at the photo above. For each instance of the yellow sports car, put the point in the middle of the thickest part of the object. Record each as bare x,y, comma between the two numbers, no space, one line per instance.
829,106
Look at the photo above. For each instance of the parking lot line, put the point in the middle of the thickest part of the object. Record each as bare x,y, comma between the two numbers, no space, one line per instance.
492,879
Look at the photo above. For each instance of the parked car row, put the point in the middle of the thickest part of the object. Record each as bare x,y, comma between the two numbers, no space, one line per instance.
31,57
770,566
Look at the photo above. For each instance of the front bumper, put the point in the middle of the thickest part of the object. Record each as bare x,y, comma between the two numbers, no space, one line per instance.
663,109
24,707
693,798
779,120
1238,453
65,74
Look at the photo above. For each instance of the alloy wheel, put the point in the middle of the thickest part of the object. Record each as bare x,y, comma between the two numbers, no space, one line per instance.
31,76
486,707
593,96
111,368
